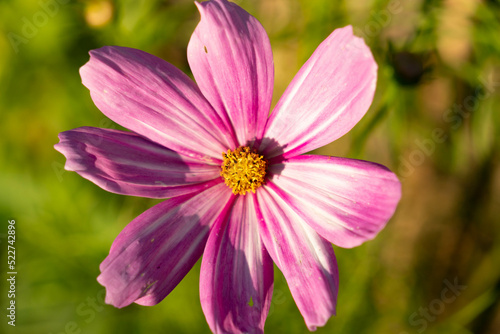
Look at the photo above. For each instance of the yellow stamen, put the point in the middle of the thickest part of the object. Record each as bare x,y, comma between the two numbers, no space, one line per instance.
243,170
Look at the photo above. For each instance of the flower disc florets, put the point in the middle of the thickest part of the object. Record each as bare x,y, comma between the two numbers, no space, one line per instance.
243,170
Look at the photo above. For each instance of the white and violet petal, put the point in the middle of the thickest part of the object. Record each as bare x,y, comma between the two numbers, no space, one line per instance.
326,98
157,249
126,163
156,100
346,201
306,259
231,59
236,279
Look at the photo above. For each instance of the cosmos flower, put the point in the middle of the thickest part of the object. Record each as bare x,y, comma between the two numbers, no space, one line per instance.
241,191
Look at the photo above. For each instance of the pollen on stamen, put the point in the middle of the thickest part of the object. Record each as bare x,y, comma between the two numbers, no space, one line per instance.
243,170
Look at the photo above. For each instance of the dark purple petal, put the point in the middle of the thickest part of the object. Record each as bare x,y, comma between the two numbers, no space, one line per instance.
158,248
126,163
236,280
231,59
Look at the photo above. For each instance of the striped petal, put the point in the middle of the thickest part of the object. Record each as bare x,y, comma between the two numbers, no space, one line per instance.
156,100
306,259
158,248
327,97
126,163
346,201
231,59
236,280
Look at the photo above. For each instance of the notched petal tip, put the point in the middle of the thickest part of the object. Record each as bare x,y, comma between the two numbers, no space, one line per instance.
72,162
360,43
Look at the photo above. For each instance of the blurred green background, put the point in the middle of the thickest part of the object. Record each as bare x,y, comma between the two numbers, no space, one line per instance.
435,121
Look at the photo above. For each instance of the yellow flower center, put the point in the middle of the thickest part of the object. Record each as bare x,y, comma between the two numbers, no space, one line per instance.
243,170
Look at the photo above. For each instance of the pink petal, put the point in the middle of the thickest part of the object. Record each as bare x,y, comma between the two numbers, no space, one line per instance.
327,97
306,260
157,249
236,280
346,201
126,163
231,59
153,98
